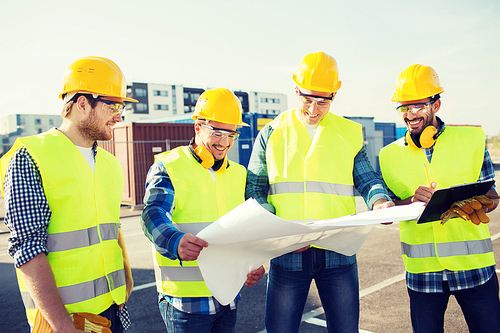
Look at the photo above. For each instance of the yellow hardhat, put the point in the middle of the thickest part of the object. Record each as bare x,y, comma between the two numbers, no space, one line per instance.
95,75
220,105
417,82
318,71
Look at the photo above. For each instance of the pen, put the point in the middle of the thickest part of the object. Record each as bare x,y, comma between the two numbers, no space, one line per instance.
427,174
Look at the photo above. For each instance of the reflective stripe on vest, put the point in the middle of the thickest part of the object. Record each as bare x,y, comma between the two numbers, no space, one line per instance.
82,291
80,238
465,248
457,245
307,178
313,187
83,227
181,274
198,202
192,228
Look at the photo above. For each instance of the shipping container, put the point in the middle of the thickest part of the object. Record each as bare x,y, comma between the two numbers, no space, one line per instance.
388,130
400,131
248,134
135,144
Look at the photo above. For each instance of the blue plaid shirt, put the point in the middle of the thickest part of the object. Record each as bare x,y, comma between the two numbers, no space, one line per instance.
28,214
432,282
156,222
366,181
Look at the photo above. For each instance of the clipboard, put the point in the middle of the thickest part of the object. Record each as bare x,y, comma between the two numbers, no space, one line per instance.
442,199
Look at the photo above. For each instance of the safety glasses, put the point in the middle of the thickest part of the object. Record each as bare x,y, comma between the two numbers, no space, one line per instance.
413,108
321,102
114,108
220,133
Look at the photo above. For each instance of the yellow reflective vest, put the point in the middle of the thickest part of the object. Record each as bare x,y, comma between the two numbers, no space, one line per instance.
312,179
84,254
198,202
431,247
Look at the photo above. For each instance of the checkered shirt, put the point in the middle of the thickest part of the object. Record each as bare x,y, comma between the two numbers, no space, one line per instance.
432,282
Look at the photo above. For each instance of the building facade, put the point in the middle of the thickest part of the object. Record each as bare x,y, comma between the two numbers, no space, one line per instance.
16,125
177,102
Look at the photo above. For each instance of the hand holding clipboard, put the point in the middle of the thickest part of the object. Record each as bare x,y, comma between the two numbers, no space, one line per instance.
442,199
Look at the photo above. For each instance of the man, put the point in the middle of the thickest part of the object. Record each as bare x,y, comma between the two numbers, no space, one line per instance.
188,188
441,260
62,198
310,161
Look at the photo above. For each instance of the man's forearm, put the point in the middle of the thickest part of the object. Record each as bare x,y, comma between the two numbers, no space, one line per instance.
129,281
41,284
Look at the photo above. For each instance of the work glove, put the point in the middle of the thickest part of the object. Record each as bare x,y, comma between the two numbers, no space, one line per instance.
469,209
83,321
92,323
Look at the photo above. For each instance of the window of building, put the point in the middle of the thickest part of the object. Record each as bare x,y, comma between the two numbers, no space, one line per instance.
191,97
160,93
270,100
51,122
38,121
141,92
161,106
39,130
141,108
187,109
174,101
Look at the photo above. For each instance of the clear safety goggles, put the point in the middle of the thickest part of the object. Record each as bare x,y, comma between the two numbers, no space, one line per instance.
220,133
114,108
413,108
321,102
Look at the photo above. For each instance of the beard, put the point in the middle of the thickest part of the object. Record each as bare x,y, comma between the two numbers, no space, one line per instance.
92,128
426,121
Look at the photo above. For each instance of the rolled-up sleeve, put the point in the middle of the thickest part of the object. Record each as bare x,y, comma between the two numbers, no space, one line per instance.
156,218
257,178
27,212
368,182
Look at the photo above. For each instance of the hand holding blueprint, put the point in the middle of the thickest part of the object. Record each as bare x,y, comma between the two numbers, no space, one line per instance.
249,236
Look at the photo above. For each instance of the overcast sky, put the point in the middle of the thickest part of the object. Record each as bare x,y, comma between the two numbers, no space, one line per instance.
256,46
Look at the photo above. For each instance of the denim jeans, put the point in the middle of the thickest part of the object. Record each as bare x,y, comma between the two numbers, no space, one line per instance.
178,321
287,293
112,314
480,306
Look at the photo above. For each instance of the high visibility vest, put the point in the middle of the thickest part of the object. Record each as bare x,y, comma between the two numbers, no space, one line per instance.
431,247
312,179
198,201
82,242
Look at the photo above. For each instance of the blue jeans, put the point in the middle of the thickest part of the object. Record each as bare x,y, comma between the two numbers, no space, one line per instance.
177,321
287,293
112,314
480,306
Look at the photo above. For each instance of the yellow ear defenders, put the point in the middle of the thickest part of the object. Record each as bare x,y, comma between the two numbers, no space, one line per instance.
426,139
203,156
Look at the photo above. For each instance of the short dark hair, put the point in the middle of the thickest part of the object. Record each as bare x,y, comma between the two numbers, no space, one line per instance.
69,104
435,98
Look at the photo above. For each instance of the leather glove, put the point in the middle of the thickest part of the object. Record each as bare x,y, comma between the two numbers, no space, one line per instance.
469,209
92,323
83,321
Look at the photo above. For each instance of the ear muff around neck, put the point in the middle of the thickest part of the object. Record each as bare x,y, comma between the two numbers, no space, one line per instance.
425,140
205,157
